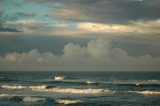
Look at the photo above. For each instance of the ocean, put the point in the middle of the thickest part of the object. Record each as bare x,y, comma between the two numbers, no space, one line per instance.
79,88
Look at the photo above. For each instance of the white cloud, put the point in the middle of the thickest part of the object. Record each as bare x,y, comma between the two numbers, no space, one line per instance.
32,56
25,25
97,53
83,29
140,26
98,27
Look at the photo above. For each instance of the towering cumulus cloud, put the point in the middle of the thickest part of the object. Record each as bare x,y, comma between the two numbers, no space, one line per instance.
97,53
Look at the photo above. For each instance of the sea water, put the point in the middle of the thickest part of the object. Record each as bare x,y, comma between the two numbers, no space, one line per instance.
79,88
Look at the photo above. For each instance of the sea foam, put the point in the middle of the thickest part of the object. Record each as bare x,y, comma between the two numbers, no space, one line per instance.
91,82
146,92
58,90
33,99
18,87
66,101
6,95
59,77
78,91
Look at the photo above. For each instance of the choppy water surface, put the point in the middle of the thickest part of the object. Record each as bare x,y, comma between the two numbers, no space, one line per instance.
80,88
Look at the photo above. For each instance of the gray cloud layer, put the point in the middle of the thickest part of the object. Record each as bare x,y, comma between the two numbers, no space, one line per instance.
103,11
107,11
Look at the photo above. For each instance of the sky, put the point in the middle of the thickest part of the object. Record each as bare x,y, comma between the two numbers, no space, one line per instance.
79,35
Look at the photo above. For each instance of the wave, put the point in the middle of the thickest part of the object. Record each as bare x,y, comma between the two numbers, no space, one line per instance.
153,80
1,77
91,82
22,98
6,95
6,79
140,85
18,87
78,91
58,89
59,77
146,92
11,97
33,99
67,102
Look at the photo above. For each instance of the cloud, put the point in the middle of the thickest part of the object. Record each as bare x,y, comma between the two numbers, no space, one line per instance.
89,17
67,14
104,28
22,14
8,30
83,29
106,11
97,53
145,27
24,25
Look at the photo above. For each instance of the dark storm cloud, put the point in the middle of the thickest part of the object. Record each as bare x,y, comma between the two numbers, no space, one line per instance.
114,11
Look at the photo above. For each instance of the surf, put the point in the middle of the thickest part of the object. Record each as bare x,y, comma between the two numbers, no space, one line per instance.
59,77
33,99
19,87
77,91
146,92
67,101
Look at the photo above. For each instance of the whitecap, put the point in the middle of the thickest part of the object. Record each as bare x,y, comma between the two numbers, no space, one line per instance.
146,92
59,77
13,87
153,80
6,95
137,84
33,99
90,82
19,87
38,87
66,101
78,91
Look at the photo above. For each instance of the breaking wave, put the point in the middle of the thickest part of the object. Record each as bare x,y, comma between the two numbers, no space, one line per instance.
59,77
141,85
67,102
58,89
78,91
33,99
153,80
91,82
6,95
146,92
19,87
